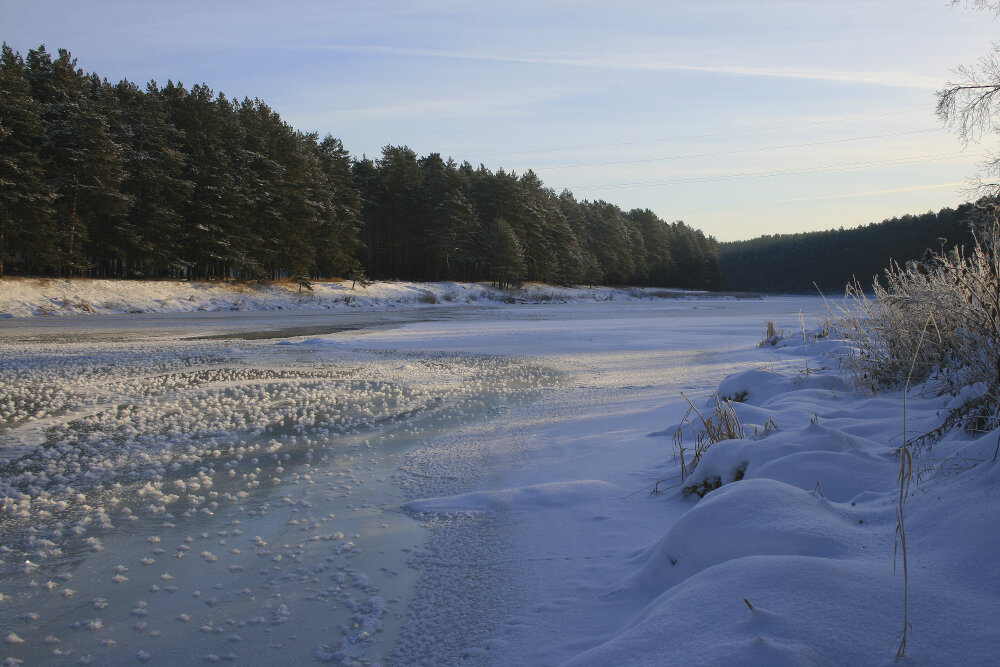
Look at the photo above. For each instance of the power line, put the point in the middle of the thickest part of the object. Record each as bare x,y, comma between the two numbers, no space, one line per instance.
727,133
737,152
783,172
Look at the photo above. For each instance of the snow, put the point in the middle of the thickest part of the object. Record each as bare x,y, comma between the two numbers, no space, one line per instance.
494,485
552,494
28,297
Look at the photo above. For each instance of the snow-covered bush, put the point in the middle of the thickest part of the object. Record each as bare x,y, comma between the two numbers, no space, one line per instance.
936,320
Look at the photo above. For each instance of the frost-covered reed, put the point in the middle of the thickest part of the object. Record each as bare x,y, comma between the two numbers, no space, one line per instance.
935,321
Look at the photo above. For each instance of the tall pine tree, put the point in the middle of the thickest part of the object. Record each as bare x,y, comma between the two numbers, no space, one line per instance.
25,198
81,161
335,234
151,231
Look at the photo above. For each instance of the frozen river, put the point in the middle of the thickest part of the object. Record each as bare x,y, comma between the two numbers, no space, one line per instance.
231,487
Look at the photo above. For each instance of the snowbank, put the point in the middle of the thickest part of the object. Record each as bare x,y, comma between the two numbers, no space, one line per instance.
793,560
31,297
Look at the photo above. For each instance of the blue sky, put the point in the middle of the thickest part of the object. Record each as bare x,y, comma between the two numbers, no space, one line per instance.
740,118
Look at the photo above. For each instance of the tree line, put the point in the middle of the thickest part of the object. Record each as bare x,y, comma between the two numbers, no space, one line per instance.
792,263
112,180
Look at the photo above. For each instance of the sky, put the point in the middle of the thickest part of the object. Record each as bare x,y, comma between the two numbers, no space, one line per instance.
739,118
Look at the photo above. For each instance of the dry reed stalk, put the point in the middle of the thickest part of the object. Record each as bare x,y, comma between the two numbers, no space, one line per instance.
904,479
805,356
722,424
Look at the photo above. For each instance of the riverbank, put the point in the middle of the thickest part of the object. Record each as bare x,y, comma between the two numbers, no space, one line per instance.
34,297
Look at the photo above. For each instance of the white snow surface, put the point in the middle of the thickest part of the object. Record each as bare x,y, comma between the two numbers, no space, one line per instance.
27,297
506,493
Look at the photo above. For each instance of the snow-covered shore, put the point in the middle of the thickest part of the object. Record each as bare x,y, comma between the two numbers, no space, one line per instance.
27,297
792,560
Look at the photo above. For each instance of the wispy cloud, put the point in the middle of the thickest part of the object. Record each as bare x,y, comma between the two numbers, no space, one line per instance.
869,193
642,62
508,102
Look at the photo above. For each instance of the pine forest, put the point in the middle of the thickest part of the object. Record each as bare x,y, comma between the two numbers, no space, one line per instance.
830,260
114,181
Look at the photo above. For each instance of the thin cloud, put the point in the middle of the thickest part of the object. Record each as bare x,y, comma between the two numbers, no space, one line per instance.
509,103
869,193
643,63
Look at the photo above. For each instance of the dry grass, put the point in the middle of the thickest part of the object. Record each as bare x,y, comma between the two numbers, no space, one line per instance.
904,478
958,293
936,322
427,297
542,296
721,424
772,335
239,287
770,426
805,355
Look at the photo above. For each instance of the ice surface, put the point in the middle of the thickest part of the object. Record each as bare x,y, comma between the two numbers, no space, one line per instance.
208,500
552,494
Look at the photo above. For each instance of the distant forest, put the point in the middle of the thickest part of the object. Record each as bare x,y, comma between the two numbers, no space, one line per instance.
110,180
791,263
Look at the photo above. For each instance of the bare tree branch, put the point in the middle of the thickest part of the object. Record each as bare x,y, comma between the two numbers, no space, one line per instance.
985,5
970,105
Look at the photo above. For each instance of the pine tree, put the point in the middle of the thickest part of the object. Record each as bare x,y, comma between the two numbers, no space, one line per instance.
301,199
335,235
210,139
503,254
611,241
82,162
365,177
106,246
567,253
25,199
265,236
397,210
659,264
534,218
448,221
151,231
